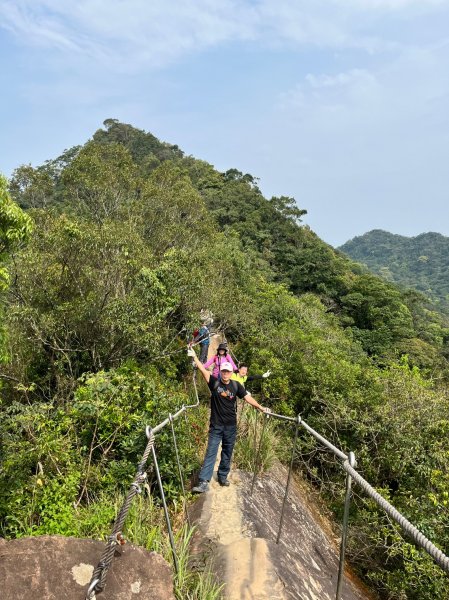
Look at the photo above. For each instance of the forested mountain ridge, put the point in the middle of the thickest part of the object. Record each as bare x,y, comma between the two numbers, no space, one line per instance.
131,240
420,262
268,229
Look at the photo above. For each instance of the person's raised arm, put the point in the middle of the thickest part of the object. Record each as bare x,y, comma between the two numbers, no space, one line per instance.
261,376
253,377
204,372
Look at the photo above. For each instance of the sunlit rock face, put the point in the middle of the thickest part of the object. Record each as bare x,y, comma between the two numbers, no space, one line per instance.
55,567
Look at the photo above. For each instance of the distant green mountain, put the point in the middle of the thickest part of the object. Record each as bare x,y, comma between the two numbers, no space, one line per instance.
420,262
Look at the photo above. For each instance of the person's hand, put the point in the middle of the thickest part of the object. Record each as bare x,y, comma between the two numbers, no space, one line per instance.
191,352
265,410
267,374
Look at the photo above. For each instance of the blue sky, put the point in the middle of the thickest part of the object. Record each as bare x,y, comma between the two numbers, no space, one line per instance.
342,104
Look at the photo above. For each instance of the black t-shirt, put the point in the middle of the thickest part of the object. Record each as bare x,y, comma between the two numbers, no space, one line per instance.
223,401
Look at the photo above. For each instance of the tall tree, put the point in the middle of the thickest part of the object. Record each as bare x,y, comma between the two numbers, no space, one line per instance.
15,227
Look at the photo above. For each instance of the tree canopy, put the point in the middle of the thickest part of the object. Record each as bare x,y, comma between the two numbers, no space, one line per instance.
15,227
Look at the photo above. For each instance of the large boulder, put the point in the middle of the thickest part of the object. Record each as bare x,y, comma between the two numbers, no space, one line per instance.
55,567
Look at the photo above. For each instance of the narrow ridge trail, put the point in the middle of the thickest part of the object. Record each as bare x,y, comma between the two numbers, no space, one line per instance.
239,533
242,561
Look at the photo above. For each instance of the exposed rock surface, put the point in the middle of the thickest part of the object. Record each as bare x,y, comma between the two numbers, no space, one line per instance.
239,534
241,561
55,567
306,557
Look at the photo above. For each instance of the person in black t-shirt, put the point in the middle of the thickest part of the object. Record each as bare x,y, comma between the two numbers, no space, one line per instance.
223,421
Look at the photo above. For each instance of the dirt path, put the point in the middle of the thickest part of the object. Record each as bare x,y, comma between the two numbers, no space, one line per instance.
215,339
242,561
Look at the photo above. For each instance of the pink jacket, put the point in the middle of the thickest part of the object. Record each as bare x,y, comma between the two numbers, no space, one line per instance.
217,360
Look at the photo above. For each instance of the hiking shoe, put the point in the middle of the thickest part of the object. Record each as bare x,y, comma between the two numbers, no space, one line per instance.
202,487
223,483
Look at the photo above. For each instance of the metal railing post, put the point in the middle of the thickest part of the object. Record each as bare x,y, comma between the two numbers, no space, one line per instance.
181,479
281,522
344,533
167,516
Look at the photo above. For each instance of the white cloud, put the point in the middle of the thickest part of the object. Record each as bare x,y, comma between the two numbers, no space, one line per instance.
33,28
401,89
370,124
392,4
132,33
329,94
153,33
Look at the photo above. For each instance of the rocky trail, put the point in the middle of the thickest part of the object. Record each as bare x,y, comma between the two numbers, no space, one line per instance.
237,536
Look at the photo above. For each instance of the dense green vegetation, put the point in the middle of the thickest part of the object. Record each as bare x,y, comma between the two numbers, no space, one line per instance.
15,227
131,240
420,262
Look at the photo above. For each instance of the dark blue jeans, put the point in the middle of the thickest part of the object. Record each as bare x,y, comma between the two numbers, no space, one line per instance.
204,349
225,434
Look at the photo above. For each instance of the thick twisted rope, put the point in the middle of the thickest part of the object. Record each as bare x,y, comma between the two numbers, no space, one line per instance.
420,539
97,581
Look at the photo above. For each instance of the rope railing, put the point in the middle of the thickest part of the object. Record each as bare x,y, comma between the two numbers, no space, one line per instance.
439,557
348,464
116,538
